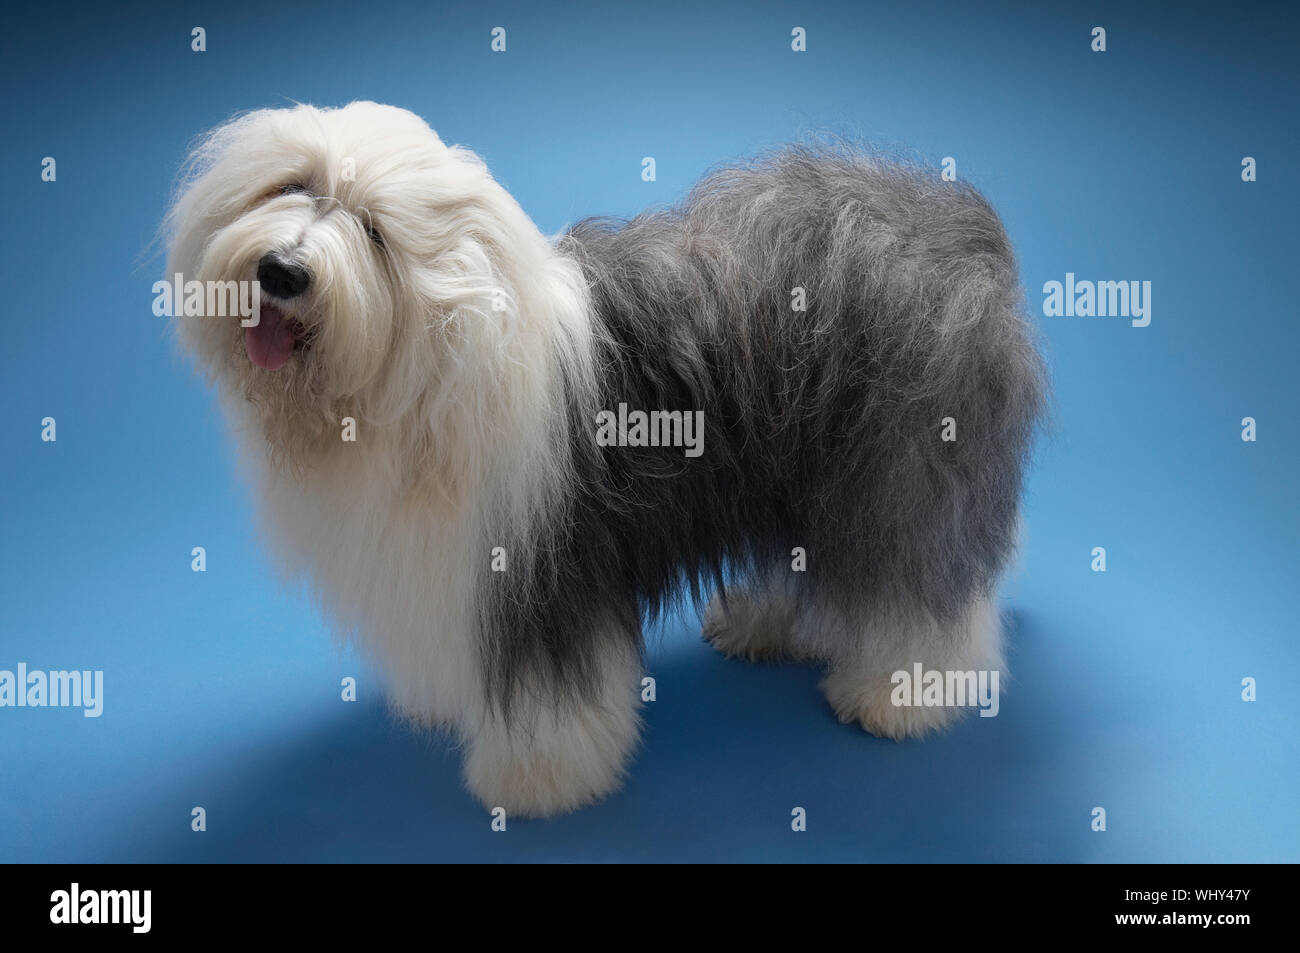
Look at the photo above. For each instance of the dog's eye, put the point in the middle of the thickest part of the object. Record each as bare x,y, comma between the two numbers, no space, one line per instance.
292,188
375,236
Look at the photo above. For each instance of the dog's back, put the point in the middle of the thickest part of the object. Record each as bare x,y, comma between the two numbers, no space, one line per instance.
836,318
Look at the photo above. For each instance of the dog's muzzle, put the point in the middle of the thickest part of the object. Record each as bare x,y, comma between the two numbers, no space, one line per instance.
271,342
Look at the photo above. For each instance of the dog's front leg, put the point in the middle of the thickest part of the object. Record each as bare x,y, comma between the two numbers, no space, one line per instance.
558,749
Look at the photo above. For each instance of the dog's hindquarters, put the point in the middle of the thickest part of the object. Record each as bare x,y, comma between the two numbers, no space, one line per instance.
855,333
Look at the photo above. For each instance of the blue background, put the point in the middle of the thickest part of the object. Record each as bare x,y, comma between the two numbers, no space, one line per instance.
223,690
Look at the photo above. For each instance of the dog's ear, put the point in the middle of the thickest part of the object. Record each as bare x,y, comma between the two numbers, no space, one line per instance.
211,185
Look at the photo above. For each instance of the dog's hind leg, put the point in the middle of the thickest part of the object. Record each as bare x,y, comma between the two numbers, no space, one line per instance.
755,622
559,751
861,685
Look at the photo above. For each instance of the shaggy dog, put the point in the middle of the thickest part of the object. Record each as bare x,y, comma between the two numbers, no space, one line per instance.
476,443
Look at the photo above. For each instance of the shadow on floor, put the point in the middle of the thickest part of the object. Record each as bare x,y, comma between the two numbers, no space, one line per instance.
729,750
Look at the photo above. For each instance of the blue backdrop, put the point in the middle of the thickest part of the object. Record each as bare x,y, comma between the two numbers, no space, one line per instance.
222,691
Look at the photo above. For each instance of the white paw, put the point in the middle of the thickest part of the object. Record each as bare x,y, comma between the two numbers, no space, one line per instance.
553,765
864,691
868,701
743,630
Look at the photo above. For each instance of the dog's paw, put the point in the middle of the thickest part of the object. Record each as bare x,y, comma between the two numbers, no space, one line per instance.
535,784
741,630
542,770
868,701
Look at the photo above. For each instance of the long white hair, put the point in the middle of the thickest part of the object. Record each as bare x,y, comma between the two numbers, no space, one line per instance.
438,318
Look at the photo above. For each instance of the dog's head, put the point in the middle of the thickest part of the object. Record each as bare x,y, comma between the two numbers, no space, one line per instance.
393,271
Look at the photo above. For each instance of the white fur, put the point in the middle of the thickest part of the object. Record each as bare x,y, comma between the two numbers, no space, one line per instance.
756,623
764,622
444,346
859,686
550,760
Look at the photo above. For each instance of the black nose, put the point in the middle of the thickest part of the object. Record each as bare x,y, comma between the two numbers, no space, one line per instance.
282,278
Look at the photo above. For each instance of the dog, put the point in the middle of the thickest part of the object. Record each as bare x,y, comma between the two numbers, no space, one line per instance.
807,393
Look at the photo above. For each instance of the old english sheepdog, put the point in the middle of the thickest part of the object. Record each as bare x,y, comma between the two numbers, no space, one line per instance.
808,391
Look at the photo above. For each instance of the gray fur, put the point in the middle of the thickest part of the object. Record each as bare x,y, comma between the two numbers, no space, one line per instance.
822,428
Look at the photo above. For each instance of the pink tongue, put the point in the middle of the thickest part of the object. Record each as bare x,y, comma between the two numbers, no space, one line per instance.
270,342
